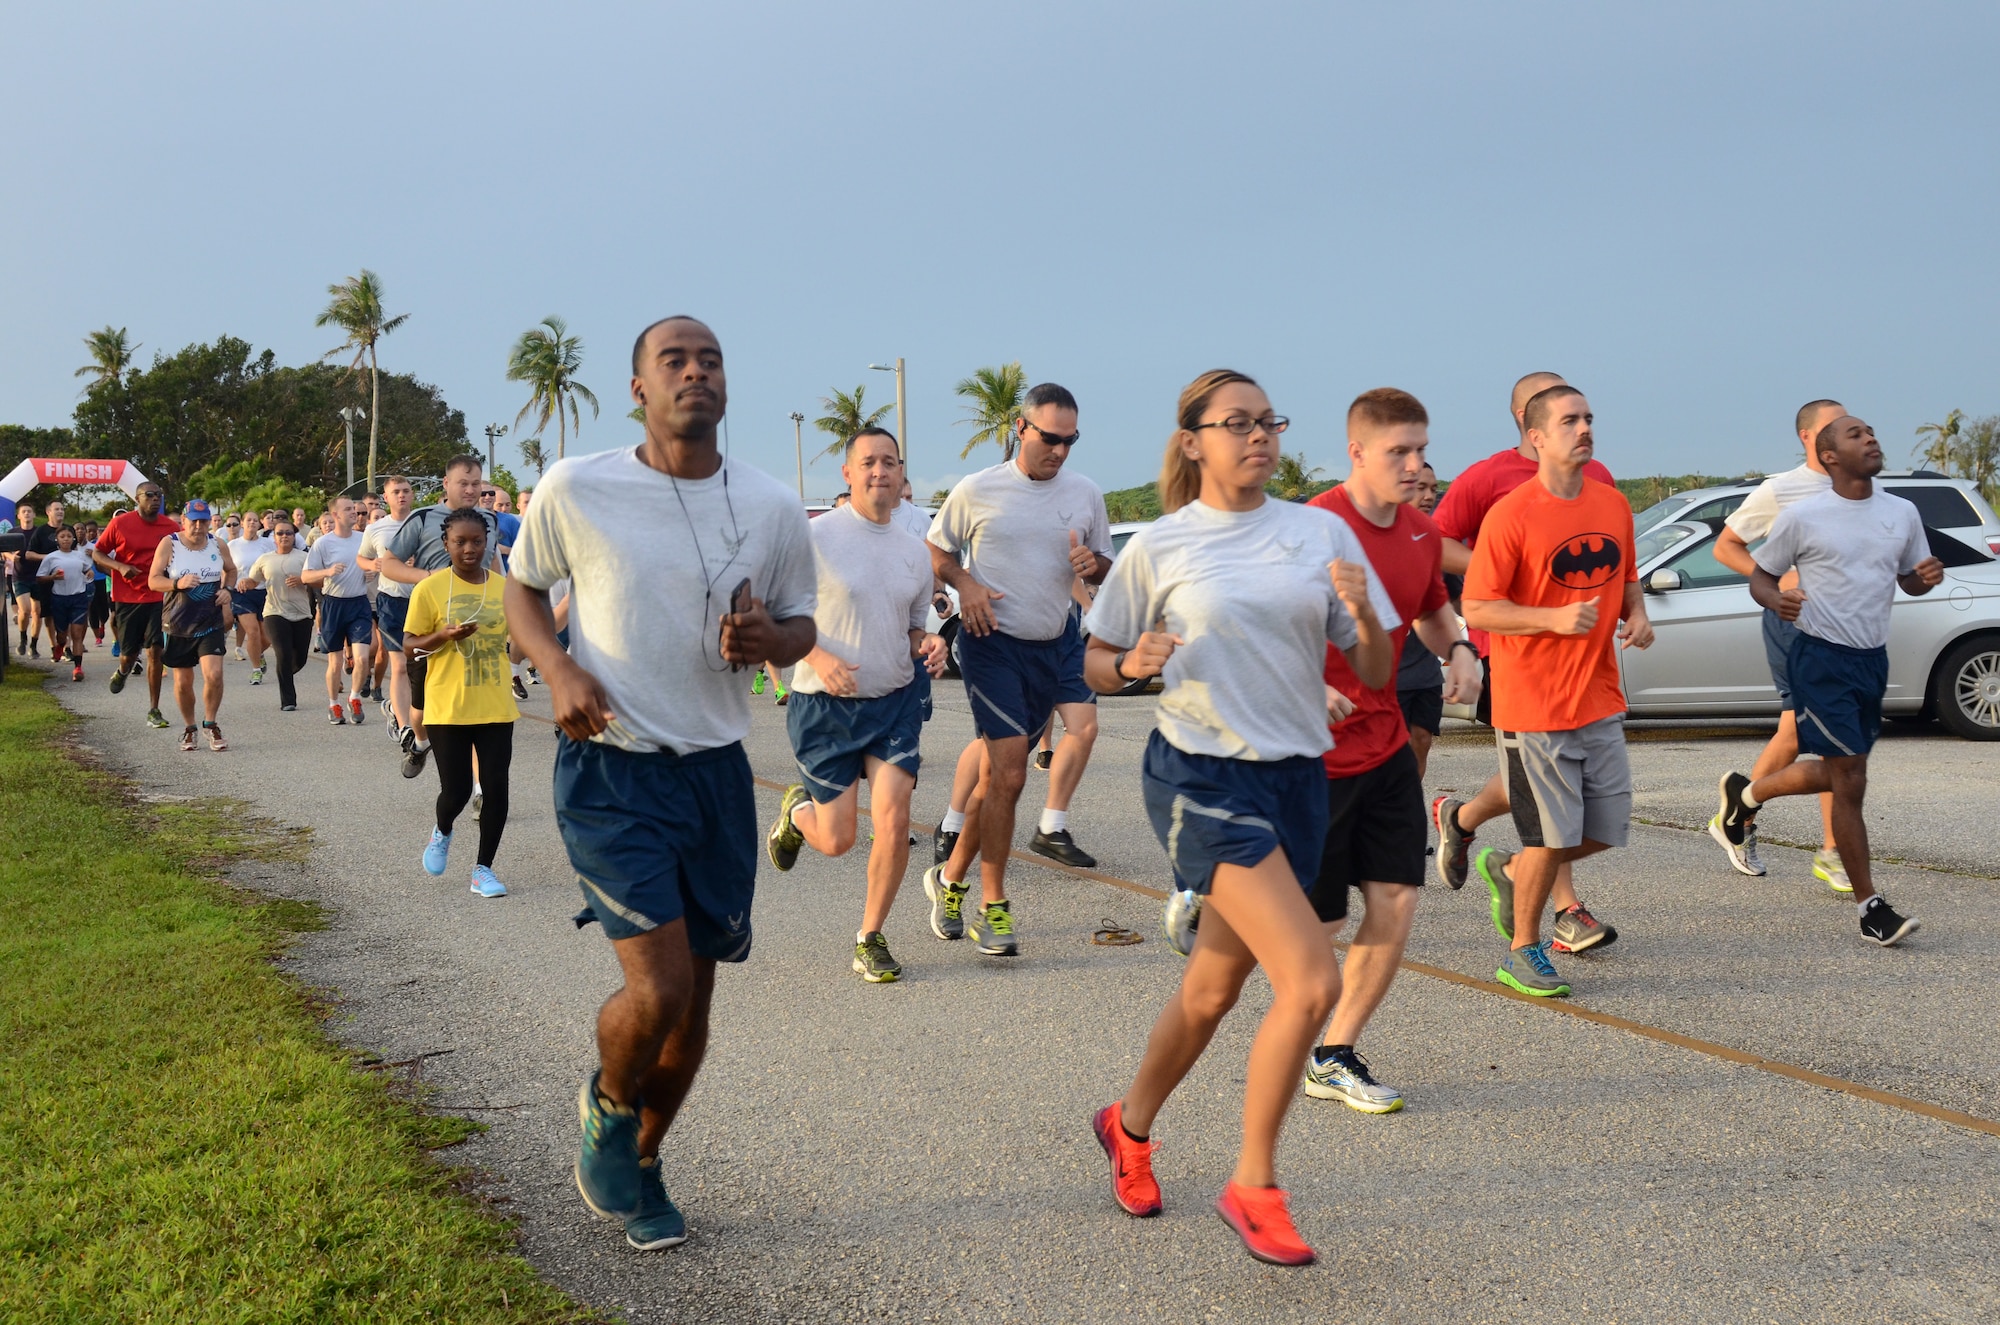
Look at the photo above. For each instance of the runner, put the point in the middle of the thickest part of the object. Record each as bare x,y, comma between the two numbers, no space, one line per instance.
334,566
1552,580
1460,515
100,593
1853,548
392,606
1746,525
42,542
248,604
684,567
21,583
1419,678
193,572
856,709
280,576
125,551
1010,539
458,619
70,576
1250,591
1065,761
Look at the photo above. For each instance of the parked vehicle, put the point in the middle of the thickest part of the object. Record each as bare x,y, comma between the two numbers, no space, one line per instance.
1950,504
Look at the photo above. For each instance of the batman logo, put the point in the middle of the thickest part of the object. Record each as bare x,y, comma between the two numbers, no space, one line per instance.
1586,561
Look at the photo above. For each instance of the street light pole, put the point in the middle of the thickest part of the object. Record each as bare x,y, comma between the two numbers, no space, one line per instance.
492,430
348,414
799,448
902,419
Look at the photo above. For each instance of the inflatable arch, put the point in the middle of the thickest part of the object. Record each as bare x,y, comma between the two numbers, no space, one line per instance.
66,473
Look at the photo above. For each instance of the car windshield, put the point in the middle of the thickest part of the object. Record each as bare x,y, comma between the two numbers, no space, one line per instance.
1656,513
1660,538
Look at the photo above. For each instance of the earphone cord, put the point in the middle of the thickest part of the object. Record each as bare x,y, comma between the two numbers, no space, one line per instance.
701,559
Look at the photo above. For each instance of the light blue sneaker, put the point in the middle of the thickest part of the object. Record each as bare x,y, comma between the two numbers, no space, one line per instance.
486,883
657,1224
438,853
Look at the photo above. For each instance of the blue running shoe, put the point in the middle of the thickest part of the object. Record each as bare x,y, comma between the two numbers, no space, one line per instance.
486,883
438,853
1529,971
607,1165
657,1224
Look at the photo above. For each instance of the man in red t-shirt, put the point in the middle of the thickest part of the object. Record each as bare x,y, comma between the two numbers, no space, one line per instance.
125,552
1552,579
1376,833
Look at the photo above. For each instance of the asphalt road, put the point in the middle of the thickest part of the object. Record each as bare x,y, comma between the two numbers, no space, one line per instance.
921,1151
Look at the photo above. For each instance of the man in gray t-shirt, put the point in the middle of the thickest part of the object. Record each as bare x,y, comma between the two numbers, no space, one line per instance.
416,550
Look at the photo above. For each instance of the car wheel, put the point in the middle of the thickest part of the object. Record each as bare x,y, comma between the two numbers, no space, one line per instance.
1965,690
948,632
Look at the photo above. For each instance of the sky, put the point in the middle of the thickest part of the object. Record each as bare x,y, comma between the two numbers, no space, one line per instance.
1703,214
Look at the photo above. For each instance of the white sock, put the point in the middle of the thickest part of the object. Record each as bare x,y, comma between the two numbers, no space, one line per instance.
475,786
1862,907
423,745
954,821
516,667
803,805
1055,821
1749,802
860,936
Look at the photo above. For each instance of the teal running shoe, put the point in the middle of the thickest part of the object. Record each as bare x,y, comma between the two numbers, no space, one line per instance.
607,1165
782,843
657,1224
438,853
1529,971
485,882
1491,866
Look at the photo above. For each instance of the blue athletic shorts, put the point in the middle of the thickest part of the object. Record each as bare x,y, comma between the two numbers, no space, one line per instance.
1837,693
1778,636
344,621
1011,684
246,602
1210,811
1071,688
390,614
832,736
66,609
660,837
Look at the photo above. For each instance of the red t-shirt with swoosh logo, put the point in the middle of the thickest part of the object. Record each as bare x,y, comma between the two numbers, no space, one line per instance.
1409,561
1539,550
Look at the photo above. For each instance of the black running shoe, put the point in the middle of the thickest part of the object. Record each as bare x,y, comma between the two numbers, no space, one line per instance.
1058,846
1044,759
942,845
1733,816
1881,925
414,756
520,689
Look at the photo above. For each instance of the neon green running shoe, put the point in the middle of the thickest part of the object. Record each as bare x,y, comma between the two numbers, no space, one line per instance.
757,686
782,843
155,719
873,962
1829,871
1491,865
993,930
1529,971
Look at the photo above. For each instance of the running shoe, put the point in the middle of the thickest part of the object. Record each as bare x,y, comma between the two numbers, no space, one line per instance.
1732,814
784,696
187,741
1454,843
1060,847
1743,857
1132,1183
354,707
1577,930
288,708
334,716
1264,1222
215,741
76,672
478,804
1337,1072
947,903
1529,971
1181,918
607,1164
437,855
1044,759
942,845
117,678
157,719
256,676
485,882
1829,871
782,843
1881,925
757,685
993,931
520,688
1492,867
873,962
388,711
414,756
656,1225
240,655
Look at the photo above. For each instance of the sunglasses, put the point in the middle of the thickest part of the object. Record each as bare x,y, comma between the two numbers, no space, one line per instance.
1056,438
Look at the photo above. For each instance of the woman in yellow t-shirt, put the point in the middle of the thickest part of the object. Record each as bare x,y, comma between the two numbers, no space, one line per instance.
457,622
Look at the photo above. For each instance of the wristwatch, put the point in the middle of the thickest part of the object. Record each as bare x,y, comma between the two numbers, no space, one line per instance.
1118,665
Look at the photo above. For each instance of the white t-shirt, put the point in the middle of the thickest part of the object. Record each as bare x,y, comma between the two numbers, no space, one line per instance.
652,562
1250,593
874,589
375,540
1849,554
331,549
243,552
1753,519
281,599
1012,534
78,571
911,519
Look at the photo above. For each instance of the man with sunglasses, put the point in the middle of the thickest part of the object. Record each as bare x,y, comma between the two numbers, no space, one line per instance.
1011,540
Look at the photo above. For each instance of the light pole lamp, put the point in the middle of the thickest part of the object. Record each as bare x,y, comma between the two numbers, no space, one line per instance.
902,419
799,449
493,430
348,415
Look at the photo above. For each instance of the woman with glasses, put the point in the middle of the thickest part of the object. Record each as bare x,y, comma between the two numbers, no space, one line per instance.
287,620
1232,597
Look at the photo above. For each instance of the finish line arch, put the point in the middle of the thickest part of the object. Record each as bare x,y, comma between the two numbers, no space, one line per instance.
65,473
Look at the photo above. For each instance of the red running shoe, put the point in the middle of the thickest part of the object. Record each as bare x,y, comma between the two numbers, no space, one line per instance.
1132,1182
1260,1217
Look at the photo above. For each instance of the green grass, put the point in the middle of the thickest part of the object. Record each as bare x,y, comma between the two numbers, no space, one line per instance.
179,1140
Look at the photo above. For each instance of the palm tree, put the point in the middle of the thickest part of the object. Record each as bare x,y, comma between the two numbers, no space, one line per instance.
845,416
546,358
1944,438
110,356
532,454
995,395
356,308
1290,479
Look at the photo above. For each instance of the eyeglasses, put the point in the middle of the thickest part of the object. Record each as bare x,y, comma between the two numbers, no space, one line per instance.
1242,426
1054,438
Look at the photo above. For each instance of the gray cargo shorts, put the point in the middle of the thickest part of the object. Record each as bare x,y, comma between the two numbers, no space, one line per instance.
1565,787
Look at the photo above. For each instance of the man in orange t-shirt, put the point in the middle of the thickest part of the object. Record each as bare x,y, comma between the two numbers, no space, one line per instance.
1554,581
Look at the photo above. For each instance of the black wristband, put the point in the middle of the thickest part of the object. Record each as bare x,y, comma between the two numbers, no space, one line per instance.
1464,644
1118,665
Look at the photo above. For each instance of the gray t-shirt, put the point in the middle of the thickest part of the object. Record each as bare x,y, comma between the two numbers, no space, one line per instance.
1759,511
874,589
419,540
378,539
281,599
652,562
912,519
1251,595
1848,554
1012,534
333,549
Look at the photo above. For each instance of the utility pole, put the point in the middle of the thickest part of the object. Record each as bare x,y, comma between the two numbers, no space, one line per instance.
493,430
348,414
902,419
799,449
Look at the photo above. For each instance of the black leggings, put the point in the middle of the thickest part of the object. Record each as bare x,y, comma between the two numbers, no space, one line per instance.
292,642
100,608
452,748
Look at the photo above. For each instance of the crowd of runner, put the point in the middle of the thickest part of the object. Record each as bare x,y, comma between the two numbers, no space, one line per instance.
1306,654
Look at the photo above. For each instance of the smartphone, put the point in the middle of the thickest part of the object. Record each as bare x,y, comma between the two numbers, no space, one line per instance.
739,601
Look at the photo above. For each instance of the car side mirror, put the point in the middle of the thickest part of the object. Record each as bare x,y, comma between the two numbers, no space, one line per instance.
1664,581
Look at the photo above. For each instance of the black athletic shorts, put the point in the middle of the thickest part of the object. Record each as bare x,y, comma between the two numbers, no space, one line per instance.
137,626
189,650
1423,707
1376,830
1483,710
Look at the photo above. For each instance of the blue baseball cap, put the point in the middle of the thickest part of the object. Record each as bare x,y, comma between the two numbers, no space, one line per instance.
196,510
